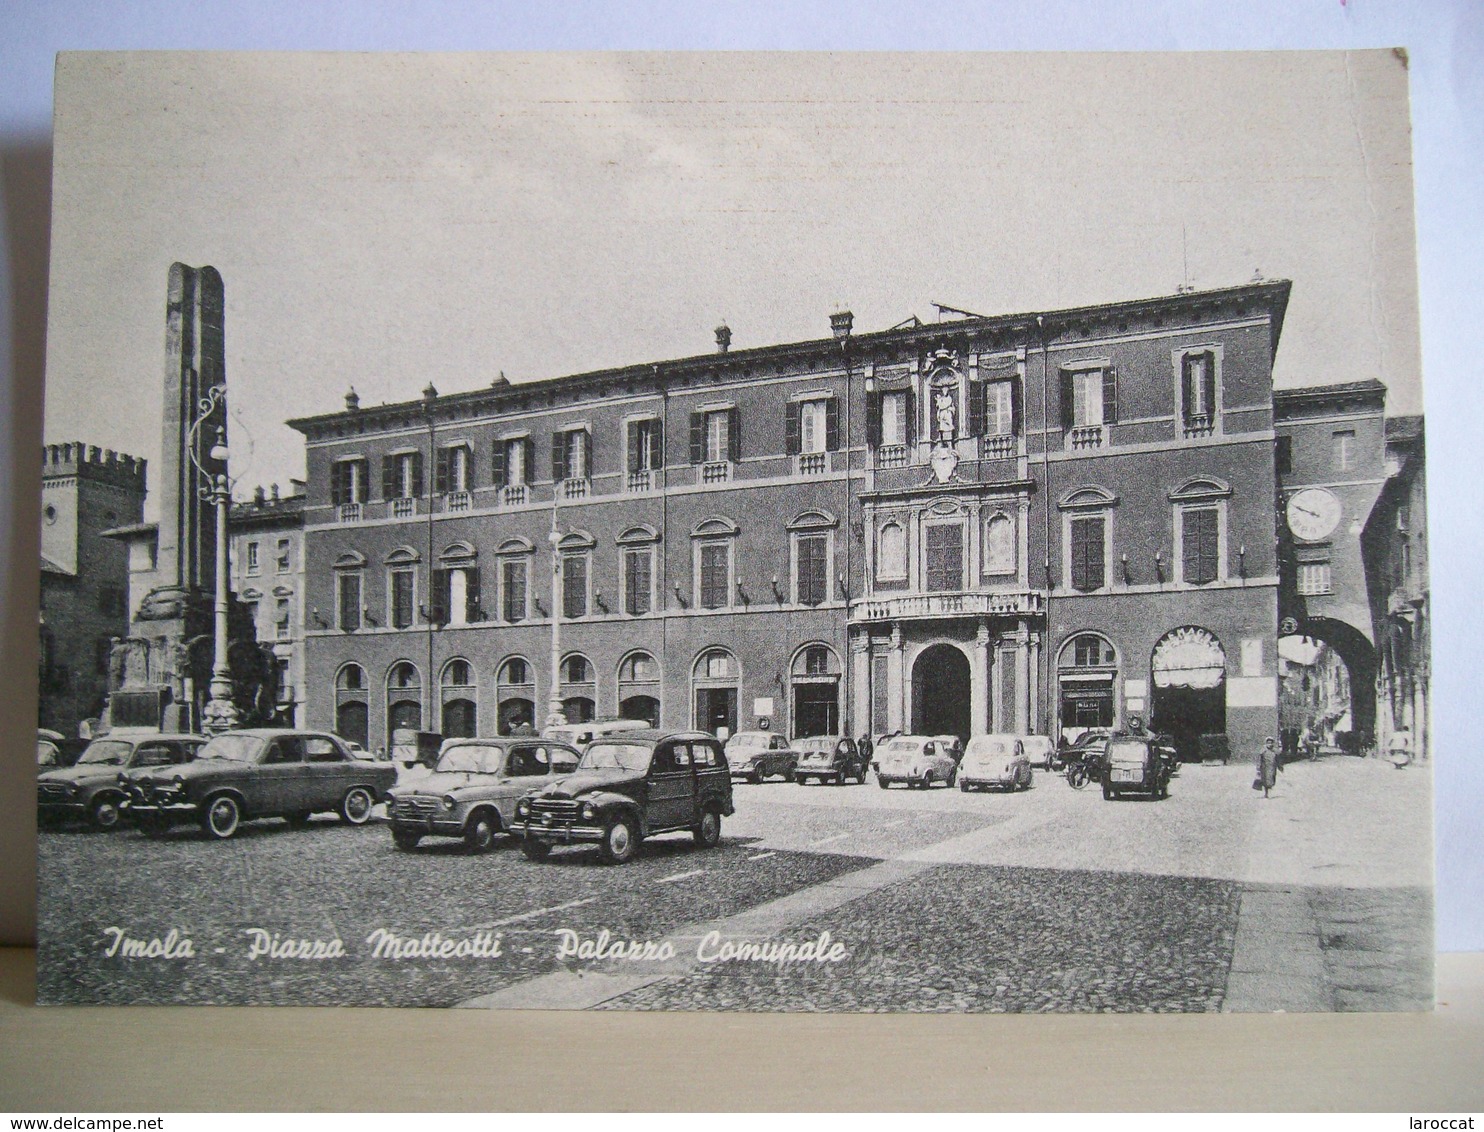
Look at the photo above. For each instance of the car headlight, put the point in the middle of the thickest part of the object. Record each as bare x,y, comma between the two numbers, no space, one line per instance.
588,812
523,807
177,783
122,780
448,802
72,788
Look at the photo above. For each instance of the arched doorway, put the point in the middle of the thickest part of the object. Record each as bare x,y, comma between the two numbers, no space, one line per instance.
646,708
460,711
639,688
715,678
404,695
515,694
1087,681
941,692
815,685
1327,685
1189,703
352,712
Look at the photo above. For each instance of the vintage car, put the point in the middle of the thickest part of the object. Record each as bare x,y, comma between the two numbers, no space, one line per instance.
917,760
995,760
90,789
1087,749
259,773
1040,750
630,786
579,735
756,755
1138,763
829,758
472,790
50,749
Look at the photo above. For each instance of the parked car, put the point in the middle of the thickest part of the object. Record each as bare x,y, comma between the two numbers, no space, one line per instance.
995,760
756,755
579,735
829,758
1139,763
917,760
258,773
90,788
50,749
472,790
630,786
1087,748
1040,750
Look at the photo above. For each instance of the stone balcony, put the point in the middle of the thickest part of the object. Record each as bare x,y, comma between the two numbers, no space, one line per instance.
973,603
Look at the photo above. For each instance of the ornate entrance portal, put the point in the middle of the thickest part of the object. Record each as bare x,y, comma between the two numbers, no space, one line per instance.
941,693
1190,690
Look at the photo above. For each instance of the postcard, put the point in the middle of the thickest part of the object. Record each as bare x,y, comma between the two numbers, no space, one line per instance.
766,532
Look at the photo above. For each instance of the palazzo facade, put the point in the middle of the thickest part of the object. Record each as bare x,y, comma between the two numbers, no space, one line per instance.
1031,523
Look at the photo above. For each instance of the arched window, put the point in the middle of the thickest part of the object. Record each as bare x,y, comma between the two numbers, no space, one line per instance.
351,678
457,674
1088,650
576,669
404,675
891,553
638,668
716,664
515,671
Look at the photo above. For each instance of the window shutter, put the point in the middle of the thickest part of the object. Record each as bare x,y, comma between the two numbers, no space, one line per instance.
1187,390
1210,383
440,597
909,425
441,459
832,425
656,444
633,459
1017,410
1066,401
389,477
337,484
558,456
530,460
873,419
417,474
698,438
734,435
792,425
976,408
498,455
592,455
472,608
1110,396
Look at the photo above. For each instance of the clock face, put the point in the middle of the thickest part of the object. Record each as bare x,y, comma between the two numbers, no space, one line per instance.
1313,513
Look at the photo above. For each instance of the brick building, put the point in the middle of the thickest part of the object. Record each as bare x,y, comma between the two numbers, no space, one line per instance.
84,575
1031,522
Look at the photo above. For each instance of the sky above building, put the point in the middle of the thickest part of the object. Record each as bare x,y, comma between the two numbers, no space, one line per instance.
384,222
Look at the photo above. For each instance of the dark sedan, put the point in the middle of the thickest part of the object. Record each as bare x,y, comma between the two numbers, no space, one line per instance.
242,775
90,788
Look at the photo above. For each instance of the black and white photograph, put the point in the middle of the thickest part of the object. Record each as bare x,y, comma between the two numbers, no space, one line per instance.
735,532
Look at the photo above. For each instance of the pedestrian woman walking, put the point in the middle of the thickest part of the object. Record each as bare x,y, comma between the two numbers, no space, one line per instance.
1267,766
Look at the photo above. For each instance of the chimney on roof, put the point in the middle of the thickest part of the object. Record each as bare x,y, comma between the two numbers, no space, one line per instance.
275,493
840,324
500,381
352,400
259,496
723,338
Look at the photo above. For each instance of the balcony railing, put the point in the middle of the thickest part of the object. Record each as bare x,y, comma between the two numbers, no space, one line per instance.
999,447
404,508
891,456
348,512
639,481
814,463
513,495
458,501
1203,425
575,489
1085,436
717,471
921,606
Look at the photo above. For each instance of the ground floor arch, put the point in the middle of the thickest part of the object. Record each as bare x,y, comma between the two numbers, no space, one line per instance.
353,722
642,707
814,692
459,719
1188,702
1328,685
942,692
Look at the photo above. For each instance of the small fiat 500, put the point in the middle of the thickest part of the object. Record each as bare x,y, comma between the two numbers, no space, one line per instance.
1140,764
472,791
829,758
756,755
995,760
90,788
916,760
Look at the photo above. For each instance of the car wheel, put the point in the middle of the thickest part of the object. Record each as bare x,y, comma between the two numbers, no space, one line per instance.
753,777
535,850
405,838
881,782
221,817
708,832
927,781
619,841
1077,777
952,778
1107,792
964,787
479,834
356,806
104,812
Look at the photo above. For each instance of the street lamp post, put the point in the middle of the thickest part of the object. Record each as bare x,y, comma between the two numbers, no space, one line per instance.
220,713
555,716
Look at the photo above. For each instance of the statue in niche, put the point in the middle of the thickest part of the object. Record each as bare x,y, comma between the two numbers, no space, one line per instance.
945,413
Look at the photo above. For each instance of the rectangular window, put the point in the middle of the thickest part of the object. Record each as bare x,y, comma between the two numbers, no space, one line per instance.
636,581
574,585
1087,398
1314,578
945,557
348,482
715,571
513,591
252,558
812,426
402,476
1087,553
517,469
811,558
1344,450
284,561
349,601
718,437
402,586
577,455
281,618
645,449
1199,545
999,408
893,418
1199,387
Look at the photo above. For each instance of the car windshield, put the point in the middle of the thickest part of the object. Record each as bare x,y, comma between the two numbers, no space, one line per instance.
107,752
817,745
470,758
236,748
984,746
608,755
903,747
749,741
